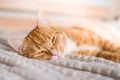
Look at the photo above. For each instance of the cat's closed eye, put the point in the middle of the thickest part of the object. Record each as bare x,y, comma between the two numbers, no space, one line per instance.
41,52
44,52
53,38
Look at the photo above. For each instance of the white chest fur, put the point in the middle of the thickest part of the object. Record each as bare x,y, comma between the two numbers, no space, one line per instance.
69,46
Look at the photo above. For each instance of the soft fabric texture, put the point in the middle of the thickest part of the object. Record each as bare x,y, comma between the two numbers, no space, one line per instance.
73,67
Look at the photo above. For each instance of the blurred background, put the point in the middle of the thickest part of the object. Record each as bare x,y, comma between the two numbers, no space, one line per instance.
16,15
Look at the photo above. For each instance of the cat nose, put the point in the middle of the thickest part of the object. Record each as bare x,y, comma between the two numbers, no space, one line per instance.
54,52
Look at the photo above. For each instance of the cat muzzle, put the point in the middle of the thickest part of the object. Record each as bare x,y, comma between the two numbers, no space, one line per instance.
54,52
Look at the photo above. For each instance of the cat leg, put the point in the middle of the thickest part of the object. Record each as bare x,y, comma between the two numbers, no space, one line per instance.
98,53
110,46
109,55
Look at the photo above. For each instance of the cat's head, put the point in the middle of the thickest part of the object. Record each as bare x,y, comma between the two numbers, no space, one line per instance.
41,43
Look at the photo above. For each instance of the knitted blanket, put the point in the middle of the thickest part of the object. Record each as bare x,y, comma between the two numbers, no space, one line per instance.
73,67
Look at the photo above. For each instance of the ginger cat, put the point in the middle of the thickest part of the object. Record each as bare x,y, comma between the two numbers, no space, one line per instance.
45,42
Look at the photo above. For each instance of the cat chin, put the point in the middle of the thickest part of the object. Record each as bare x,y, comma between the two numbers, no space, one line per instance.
57,57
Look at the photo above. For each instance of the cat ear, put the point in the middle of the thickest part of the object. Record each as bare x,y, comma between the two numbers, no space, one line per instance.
41,21
16,44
